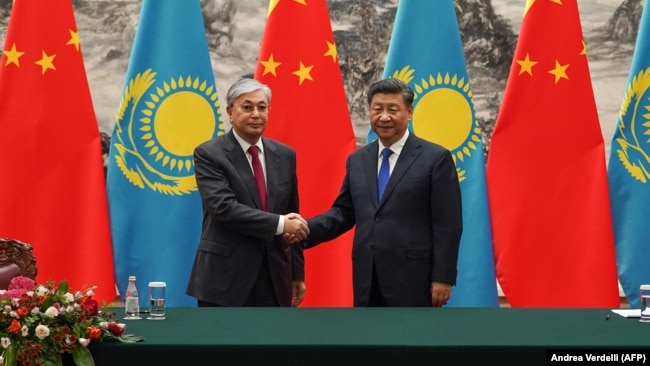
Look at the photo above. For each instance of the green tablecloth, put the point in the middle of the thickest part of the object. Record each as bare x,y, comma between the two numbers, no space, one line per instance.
369,336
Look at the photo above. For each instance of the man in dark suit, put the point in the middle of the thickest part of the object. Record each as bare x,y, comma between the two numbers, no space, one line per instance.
406,241
249,192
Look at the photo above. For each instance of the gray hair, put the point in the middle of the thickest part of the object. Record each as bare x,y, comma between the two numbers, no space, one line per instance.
246,85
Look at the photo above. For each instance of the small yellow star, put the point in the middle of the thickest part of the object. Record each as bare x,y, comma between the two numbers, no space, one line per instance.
526,65
584,48
331,51
74,39
557,2
303,73
270,65
13,55
46,62
559,71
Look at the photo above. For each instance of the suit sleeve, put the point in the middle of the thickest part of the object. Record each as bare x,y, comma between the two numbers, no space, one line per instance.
297,257
335,221
447,219
214,180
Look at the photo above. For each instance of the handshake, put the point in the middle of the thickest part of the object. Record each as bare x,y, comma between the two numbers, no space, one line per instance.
295,228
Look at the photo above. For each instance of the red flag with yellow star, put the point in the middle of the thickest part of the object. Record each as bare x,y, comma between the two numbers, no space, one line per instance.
546,174
52,192
309,111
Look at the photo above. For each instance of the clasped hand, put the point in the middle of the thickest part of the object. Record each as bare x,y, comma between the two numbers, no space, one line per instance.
295,228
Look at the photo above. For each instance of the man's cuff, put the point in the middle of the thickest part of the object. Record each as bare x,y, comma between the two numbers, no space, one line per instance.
280,229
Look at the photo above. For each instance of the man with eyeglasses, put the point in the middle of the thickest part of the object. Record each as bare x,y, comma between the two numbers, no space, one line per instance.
249,191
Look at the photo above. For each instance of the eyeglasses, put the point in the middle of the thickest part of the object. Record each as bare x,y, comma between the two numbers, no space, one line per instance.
249,108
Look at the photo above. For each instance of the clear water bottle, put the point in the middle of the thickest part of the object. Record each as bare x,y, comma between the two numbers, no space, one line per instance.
132,302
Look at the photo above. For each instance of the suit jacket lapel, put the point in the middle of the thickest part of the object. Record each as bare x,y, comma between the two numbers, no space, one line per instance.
238,158
370,170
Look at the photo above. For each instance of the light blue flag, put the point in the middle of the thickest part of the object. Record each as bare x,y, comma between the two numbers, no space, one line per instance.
629,172
425,51
169,106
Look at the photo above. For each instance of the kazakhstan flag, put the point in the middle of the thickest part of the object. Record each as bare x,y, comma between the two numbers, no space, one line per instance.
425,52
169,106
629,172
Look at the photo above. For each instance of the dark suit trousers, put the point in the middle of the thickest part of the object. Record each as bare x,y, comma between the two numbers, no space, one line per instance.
262,293
376,298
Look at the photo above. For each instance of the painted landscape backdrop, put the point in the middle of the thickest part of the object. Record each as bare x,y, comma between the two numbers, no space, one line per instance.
362,30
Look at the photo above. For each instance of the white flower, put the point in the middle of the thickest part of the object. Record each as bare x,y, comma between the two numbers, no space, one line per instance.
42,331
84,341
68,340
30,293
69,309
7,307
24,330
68,298
41,290
14,314
51,312
90,292
2,360
5,342
35,310
103,325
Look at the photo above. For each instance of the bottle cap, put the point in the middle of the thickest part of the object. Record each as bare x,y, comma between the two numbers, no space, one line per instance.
131,278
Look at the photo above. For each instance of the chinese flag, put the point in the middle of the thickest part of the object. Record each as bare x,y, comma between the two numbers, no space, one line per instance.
546,175
309,111
52,191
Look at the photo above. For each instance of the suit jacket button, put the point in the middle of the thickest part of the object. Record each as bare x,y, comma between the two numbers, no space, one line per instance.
377,219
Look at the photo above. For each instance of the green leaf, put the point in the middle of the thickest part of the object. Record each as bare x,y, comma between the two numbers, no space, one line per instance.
10,357
82,357
63,286
129,338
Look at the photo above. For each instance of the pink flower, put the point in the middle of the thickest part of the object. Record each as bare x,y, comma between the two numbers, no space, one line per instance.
22,283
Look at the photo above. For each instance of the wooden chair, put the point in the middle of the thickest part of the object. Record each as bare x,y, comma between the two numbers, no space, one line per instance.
16,259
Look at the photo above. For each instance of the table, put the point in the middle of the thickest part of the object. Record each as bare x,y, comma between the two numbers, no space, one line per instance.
371,336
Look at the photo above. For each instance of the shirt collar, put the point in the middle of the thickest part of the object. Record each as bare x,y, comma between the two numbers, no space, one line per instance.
397,146
245,145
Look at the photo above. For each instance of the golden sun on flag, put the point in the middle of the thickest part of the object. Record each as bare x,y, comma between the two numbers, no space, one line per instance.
166,108
148,153
443,113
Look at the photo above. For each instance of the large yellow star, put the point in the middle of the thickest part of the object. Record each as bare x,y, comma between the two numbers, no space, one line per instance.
559,71
74,39
303,73
270,65
526,65
275,3
13,55
331,50
529,3
46,62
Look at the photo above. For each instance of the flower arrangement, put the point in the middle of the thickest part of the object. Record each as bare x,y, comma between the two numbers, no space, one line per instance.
39,323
